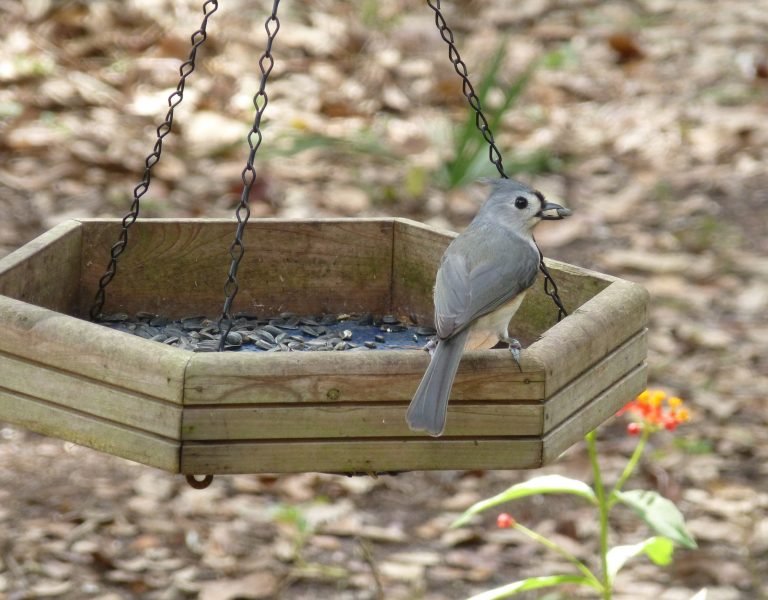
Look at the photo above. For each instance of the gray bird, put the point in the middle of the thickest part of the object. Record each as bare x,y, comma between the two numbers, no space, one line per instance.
481,282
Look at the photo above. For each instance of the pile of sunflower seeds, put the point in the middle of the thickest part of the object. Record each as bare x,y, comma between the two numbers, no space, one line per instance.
286,332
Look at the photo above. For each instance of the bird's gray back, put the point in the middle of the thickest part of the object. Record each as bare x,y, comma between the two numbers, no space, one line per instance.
482,269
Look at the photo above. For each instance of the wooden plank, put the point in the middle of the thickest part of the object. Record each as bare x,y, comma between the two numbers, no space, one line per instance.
417,251
98,353
46,271
597,378
36,380
353,421
90,431
369,456
335,419
251,378
589,333
602,408
538,313
179,266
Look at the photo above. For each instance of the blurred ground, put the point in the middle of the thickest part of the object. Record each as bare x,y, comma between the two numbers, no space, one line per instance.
648,117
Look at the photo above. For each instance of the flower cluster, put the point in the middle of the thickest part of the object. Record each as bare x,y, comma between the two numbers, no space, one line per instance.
654,410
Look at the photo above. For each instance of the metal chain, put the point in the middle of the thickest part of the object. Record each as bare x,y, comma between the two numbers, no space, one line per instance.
468,90
185,70
550,287
494,155
243,211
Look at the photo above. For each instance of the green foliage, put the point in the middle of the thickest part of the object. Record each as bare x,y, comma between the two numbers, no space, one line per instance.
376,19
694,446
33,65
469,151
561,58
469,160
659,513
364,142
415,183
292,515
546,484
470,155
532,583
295,517
658,549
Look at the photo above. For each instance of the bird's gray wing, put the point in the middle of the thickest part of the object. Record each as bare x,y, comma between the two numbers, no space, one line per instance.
463,293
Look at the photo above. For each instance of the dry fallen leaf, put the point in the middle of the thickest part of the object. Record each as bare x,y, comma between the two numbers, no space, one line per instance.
251,587
625,47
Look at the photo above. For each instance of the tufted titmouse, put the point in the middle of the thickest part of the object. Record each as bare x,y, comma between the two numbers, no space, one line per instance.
481,282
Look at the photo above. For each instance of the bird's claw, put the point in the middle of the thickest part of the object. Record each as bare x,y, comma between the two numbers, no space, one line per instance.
430,346
514,349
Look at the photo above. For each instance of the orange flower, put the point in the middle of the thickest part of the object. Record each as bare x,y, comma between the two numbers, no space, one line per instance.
654,410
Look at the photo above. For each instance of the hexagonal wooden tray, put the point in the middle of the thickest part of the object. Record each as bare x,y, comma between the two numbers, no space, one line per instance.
240,412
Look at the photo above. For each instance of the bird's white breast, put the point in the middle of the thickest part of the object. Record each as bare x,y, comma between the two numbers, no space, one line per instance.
488,329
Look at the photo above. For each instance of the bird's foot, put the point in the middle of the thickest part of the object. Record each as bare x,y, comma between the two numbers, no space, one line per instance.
514,349
430,346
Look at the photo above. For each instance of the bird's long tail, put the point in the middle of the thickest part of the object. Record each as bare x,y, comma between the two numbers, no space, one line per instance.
429,406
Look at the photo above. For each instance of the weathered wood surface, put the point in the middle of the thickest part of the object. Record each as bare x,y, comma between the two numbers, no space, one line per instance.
46,271
74,346
538,313
87,430
74,391
579,392
590,333
365,456
250,377
359,413
416,257
353,421
176,267
599,410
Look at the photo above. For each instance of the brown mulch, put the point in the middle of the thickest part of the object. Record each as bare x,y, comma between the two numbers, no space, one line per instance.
653,118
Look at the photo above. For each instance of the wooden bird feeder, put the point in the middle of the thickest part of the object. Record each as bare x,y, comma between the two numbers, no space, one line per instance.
340,412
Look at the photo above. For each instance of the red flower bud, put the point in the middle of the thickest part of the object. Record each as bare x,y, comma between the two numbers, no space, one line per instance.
504,521
634,428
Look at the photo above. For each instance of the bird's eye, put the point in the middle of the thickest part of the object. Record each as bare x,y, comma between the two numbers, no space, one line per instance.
521,202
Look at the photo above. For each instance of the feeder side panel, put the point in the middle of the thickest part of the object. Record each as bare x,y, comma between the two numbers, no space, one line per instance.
595,380
602,408
591,332
46,271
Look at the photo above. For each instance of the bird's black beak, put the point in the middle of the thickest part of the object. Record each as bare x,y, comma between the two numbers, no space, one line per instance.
553,212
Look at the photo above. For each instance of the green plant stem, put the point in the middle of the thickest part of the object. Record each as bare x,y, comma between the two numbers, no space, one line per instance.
630,466
602,506
546,542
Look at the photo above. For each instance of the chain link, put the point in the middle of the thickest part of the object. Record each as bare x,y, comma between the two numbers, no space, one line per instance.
494,155
185,70
243,211
467,89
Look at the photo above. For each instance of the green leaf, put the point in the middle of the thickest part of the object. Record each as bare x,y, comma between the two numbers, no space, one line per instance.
532,583
545,484
660,514
658,549
470,158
